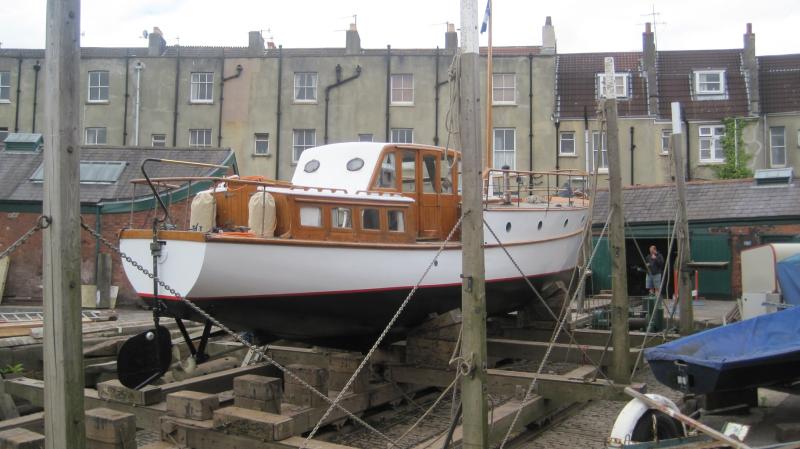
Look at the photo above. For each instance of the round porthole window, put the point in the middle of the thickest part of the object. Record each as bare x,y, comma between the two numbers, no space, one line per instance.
508,227
540,225
311,166
566,222
355,164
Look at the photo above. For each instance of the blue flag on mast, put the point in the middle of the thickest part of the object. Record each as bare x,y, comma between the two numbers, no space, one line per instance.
486,15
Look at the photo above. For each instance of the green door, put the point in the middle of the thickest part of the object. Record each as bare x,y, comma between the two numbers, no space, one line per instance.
712,248
601,267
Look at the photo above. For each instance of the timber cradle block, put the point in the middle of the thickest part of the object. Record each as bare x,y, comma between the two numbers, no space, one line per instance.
92,444
110,426
20,438
263,388
429,353
113,390
192,405
260,425
300,395
342,366
269,406
315,376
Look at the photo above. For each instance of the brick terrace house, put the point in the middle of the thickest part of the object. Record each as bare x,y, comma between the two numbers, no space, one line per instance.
109,202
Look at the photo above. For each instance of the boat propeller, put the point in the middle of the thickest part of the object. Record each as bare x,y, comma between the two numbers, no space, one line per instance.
144,357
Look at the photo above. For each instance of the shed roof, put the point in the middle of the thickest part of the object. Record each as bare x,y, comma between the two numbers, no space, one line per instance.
729,200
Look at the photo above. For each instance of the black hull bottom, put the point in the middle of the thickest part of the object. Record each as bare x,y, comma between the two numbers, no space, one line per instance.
352,319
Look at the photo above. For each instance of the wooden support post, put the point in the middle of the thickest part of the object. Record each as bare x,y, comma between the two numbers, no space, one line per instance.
103,280
621,367
63,361
473,293
682,227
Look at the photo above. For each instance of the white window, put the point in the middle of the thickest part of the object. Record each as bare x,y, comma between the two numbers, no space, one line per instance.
599,151
566,144
5,87
305,87
711,144
709,82
303,140
504,88
402,135
666,136
777,146
261,145
202,89
199,137
158,140
95,136
504,146
365,137
311,216
98,86
620,81
403,88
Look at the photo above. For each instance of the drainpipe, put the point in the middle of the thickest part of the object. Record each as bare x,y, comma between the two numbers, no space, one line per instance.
238,73
688,149
633,147
530,112
388,87
175,106
139,66
438,84
339,82
589,152
278,115
19,90
125,106
36,68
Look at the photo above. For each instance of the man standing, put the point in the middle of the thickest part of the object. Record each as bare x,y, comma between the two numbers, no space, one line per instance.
655,266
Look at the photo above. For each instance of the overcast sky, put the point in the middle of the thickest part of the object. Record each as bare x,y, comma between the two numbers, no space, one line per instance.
581,26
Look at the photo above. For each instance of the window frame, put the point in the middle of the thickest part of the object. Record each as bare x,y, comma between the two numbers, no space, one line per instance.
666,133
196,132
402,222
603,151
697,74
308,88
96,130
773,147
208,83
402,89
260,137
505,89
506,150
153,140
304,145
713,138
98,87
362,137
361,211
395,132
5,87
601,85
561,141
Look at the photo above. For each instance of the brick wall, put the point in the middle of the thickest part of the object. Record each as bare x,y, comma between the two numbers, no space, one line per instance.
25,271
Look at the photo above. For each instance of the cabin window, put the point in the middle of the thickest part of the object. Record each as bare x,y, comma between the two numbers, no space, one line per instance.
342,218
447,174
396,221
311,217
311,166
429,173
370,219
355,164
387,175
409,171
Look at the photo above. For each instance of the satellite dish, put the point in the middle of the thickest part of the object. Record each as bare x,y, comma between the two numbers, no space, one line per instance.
144,34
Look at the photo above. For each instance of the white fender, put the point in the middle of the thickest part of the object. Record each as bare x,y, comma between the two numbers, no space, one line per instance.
630,415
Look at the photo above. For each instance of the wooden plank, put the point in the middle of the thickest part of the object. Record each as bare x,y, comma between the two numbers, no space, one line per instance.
534,350
5,263
33,422
589,337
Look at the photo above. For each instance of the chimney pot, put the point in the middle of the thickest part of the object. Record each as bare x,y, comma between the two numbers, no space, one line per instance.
749,28
648,27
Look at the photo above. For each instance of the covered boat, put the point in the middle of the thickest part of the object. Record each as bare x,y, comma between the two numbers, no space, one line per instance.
761,351
329,257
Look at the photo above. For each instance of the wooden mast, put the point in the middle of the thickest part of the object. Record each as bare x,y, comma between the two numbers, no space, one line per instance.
684,290
489,97
473,294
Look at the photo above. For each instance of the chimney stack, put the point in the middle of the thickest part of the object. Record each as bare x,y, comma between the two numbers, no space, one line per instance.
450,37
649,61
156,43
255,43
751,68
548,37
353,41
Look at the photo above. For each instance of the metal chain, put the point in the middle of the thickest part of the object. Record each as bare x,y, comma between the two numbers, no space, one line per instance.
385,330
233,334
41,223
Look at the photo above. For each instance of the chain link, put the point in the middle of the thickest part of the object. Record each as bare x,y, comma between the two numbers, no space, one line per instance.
41,223
233,334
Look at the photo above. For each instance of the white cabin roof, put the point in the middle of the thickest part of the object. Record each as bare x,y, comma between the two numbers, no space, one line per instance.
332,171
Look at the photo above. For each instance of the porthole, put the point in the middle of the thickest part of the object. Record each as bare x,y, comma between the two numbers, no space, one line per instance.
540,225
508,227
311,166
355,164
566,222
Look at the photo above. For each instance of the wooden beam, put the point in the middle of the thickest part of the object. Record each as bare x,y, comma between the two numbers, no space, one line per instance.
686,323
535,350
588,337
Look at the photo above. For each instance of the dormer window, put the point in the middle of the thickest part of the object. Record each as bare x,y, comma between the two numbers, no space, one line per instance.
621,88
709,82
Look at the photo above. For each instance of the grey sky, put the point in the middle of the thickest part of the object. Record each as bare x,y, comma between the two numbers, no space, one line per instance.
581,26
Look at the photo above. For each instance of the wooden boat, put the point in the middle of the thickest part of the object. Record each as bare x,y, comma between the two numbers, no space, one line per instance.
761,351
353,233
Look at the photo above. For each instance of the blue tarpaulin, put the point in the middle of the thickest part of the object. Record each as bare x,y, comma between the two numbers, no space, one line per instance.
789,279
